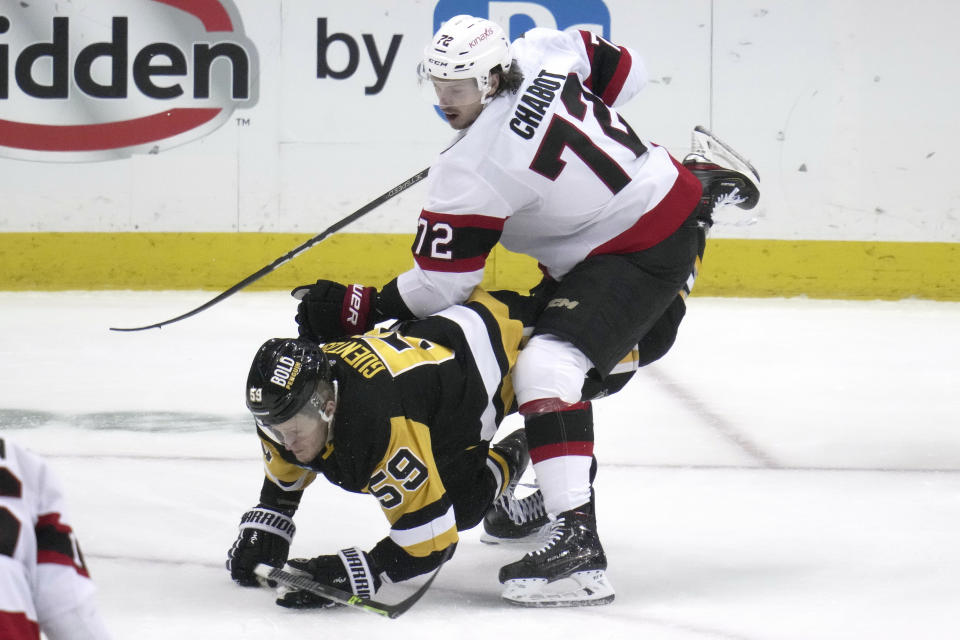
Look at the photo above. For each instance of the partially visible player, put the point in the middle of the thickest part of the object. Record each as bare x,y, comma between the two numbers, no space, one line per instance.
44,583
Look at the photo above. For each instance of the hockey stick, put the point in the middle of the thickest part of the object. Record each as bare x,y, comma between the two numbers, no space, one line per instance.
384,609
340,224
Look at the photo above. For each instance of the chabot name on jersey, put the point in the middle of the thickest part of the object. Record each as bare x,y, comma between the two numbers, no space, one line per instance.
285,372
535,102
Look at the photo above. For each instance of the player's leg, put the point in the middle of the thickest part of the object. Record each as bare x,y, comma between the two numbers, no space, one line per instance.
601,310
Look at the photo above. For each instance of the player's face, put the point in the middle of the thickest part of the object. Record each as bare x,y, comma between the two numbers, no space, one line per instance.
305,434
461,101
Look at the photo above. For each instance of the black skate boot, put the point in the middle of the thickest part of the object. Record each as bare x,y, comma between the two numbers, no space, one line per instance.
512,519
569,571
726,176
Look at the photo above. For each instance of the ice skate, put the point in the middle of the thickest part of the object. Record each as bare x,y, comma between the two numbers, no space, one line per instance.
512,519
568,571
727,177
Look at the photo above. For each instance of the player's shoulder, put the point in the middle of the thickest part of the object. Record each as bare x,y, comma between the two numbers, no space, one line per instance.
542,37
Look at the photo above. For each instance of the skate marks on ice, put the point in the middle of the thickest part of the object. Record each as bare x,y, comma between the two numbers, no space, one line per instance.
142,421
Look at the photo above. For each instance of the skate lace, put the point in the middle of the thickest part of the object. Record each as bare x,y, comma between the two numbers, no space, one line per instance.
730,197
523,510
553,535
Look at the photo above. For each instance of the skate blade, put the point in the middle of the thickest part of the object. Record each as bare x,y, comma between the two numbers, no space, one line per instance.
580,589
706,142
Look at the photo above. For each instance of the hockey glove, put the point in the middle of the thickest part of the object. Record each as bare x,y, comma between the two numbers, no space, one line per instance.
265,536
329,310
351,571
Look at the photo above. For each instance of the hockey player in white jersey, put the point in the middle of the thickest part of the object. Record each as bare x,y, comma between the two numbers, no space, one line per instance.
544,165
44,583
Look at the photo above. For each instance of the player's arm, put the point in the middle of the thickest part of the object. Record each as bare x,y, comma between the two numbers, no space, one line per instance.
459,226
615,73
267,529
449,252
422,524
412,496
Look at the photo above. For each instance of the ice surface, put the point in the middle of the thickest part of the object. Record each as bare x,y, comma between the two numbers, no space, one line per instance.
790,470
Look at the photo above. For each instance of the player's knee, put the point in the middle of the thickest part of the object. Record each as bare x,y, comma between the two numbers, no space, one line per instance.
549,367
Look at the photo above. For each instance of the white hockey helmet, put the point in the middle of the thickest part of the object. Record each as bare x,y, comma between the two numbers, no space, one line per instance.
466,47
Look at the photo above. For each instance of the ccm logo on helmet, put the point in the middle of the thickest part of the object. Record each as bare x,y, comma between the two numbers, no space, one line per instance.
78,82
285,372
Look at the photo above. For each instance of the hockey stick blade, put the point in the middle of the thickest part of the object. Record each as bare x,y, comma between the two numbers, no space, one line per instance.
287,257
384,609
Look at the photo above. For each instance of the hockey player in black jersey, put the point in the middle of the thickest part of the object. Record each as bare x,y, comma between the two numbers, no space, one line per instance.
405,415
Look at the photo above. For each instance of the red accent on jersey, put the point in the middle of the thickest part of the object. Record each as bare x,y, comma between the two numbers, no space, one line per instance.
453,243
17,626
612,91
617,78
661,221
551,405
451,266
55,543
475,220
561,449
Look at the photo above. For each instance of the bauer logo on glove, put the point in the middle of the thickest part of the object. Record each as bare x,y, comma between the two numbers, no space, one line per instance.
329,310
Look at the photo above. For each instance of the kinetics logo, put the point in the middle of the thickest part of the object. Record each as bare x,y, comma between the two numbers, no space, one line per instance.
104,79
519,16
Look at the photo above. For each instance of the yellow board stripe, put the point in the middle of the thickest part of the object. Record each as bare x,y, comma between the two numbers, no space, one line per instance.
215,261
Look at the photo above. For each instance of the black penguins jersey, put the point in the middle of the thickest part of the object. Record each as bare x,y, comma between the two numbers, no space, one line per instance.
417,407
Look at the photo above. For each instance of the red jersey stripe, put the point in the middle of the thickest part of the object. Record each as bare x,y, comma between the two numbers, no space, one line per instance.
474,220
661,221
15,625
560,449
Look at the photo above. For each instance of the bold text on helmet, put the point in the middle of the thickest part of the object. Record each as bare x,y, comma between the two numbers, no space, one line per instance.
285,372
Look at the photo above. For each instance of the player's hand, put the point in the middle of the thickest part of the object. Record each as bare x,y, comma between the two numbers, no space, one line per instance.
265,536
329,310
351,571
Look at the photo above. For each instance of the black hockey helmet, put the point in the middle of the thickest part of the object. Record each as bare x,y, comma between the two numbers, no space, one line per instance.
283,377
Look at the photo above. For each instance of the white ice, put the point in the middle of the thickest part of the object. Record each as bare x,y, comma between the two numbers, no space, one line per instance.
791,470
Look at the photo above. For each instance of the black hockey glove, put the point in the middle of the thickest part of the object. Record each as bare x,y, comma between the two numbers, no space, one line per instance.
265,536
351,570
329,310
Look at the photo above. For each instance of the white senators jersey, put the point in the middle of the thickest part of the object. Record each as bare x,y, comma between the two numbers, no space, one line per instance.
42,574
552,171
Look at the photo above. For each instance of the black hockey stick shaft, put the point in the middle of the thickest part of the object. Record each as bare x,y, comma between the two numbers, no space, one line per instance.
287,257
345,598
